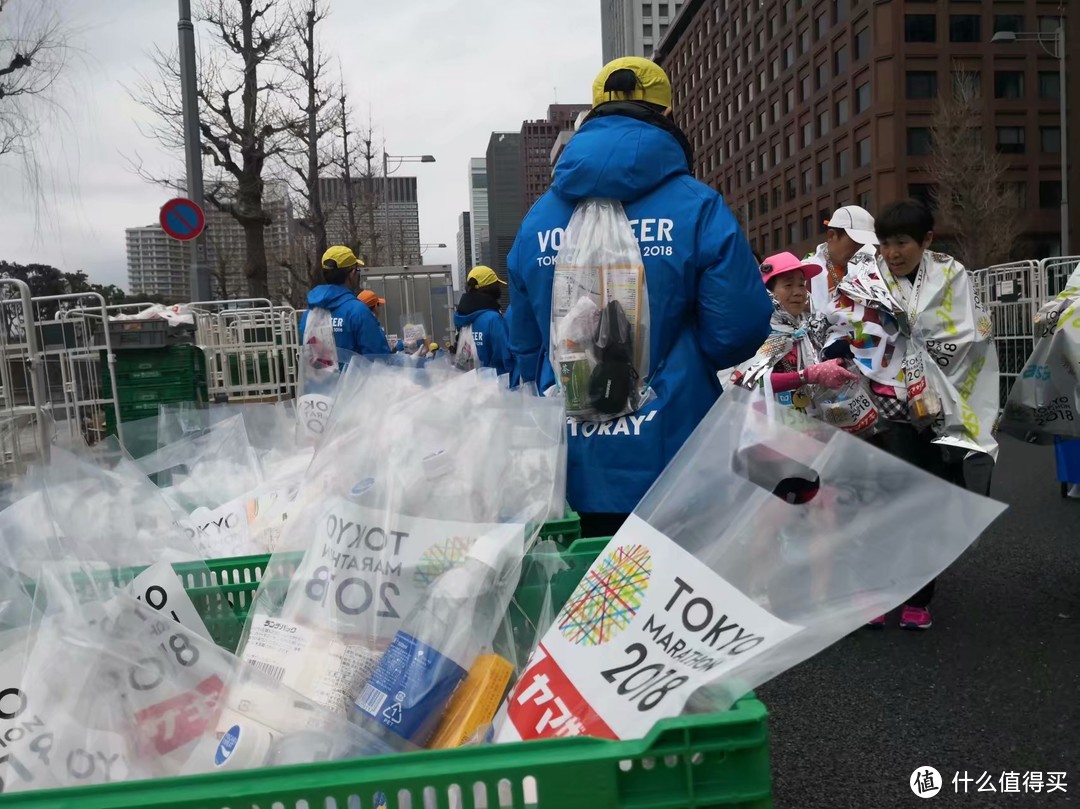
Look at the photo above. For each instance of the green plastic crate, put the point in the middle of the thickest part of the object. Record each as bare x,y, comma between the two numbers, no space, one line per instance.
173,360
689,762
565,531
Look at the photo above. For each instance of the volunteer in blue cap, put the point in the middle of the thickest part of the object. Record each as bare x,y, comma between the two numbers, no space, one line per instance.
355,327
708,309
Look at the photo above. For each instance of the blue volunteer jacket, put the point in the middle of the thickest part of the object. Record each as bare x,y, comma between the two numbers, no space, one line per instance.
708,308
488,328
355,327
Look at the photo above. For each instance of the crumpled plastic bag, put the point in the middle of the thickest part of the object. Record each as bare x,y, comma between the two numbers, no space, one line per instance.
1044,403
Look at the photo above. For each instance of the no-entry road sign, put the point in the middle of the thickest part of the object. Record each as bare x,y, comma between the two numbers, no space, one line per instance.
182,219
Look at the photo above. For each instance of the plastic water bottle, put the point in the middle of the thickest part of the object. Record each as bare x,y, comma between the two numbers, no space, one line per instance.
430,656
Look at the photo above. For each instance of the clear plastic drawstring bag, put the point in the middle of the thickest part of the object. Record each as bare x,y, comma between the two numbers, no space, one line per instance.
600,328
760,545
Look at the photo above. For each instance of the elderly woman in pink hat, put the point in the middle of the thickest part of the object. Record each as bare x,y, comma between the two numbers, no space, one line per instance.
788,365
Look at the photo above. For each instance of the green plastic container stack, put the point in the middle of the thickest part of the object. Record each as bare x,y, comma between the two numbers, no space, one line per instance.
149,377
703,761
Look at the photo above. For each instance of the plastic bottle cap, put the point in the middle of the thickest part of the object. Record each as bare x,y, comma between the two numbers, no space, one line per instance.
437,464
243,747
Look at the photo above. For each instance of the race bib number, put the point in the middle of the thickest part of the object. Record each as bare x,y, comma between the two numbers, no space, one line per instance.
646,627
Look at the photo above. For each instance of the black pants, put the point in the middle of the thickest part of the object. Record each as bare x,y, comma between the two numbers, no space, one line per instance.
597,524
948,463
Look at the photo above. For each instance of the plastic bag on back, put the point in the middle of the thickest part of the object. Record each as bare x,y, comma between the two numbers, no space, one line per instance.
465,358
760,545
1045,400
600,328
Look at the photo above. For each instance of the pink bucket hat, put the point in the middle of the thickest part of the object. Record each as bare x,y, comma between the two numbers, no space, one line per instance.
787,262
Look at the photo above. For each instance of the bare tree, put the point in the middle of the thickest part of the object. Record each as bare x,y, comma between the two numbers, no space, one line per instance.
346,163
357,157
33,51
975,204
315,122
243,127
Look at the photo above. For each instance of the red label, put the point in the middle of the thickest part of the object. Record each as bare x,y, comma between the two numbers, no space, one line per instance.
916,388
171,724
546,704
865,423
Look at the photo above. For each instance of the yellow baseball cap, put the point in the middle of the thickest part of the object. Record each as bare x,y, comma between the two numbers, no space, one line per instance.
484,276
340,257
653,83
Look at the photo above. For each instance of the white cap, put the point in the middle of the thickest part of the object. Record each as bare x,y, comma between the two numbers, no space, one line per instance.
857,222
243,747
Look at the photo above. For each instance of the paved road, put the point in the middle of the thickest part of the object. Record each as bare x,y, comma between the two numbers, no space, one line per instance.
994,686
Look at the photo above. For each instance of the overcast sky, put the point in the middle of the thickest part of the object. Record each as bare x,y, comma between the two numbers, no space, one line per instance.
438,75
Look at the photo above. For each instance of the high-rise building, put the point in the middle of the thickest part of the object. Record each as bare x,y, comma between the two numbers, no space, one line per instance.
226,247
537,140
158,265
563,138
505,196
795,108
633,27
478,211
386,235
464,250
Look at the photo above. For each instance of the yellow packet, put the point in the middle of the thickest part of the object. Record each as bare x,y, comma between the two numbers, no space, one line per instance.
474,703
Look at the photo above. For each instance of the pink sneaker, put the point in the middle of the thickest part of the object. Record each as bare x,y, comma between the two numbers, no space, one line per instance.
915,618
876,623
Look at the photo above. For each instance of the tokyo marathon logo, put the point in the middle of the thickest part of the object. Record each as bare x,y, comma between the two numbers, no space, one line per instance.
607,599
440,558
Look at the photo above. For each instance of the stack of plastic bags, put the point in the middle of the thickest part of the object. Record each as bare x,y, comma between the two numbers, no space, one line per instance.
386,621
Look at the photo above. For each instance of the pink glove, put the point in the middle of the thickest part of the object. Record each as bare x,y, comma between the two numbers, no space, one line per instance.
830,374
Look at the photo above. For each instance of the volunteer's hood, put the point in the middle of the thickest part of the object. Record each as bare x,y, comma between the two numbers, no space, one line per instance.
328,296
473,304
617,157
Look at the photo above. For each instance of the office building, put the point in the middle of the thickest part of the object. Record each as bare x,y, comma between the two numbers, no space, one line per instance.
158,265
478,211
385,234
505,196
226,247
563,138
464,250
796,107
634,28
537,140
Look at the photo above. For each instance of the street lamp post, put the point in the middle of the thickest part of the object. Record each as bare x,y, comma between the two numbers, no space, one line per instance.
1009,37
386,190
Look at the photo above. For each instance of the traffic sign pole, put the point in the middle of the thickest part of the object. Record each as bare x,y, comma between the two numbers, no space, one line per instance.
200,266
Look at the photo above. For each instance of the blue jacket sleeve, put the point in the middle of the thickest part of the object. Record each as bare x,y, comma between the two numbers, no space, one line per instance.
369,335
499,335
734,307
526,339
